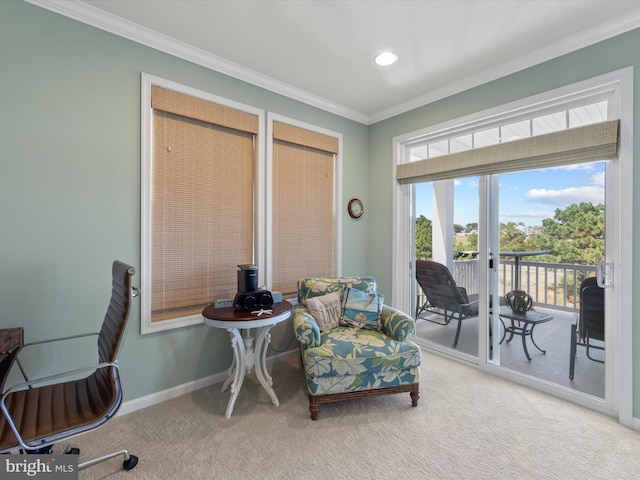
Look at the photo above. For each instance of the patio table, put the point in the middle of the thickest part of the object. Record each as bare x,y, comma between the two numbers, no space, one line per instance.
526,322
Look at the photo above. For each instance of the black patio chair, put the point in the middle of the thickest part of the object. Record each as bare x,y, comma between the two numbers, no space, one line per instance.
589,325
443,297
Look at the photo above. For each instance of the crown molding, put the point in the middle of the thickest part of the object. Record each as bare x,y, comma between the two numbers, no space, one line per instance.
102,20
604,31
95,17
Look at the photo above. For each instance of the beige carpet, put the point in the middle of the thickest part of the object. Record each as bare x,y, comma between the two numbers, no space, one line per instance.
468,425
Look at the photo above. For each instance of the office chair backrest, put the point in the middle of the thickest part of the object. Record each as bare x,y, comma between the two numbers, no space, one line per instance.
439,286
591,310
113,327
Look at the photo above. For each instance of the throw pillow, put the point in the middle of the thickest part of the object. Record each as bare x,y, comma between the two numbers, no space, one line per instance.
315,287
326,310
361,309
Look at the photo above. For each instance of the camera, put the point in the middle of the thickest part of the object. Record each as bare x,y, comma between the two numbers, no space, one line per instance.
248,296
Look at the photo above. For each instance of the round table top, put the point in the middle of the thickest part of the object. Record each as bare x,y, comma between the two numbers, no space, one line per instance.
530,316
228,317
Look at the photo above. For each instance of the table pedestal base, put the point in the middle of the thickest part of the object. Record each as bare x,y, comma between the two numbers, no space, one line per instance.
523,324
524,332
248,355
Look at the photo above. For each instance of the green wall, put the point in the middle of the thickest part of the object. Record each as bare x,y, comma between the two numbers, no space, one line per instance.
70,179
604,57
70,188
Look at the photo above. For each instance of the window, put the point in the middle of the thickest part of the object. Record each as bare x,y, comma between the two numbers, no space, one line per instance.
304,186
199,207
211,202
514,126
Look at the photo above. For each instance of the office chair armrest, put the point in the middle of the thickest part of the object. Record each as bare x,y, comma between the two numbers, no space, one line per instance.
59,339
44,342
58,376
305,327
396,324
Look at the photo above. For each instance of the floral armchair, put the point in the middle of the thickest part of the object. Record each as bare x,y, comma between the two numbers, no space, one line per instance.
344,360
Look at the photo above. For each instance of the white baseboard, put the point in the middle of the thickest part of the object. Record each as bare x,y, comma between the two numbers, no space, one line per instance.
173,392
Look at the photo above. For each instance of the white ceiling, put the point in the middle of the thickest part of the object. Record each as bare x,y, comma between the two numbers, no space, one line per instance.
321,51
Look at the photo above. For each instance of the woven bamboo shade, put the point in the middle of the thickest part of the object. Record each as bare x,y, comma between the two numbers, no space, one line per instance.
301,136
199,109
202,213
303,208
598,141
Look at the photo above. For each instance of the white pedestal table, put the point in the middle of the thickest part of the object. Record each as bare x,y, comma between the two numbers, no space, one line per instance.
248,352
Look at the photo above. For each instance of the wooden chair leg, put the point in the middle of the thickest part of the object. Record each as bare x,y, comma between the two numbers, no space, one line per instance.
415,395
314,407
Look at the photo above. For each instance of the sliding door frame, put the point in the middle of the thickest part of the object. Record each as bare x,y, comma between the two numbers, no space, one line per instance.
620,400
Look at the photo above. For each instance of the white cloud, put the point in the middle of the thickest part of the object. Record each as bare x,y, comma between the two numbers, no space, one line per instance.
567,196
575,166
598,179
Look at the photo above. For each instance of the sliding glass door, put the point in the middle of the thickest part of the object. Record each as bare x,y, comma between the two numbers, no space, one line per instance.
446,232
552,178
552,239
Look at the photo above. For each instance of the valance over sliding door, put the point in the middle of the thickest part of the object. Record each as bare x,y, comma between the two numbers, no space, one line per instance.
597,141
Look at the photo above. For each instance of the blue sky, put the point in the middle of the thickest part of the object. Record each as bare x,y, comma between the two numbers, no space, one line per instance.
526,197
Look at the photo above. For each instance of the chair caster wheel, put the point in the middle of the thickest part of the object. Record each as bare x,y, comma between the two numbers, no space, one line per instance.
73,451
130,463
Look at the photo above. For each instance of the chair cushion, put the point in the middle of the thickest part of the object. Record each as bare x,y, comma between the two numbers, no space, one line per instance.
352,359
50,410
361,309
353,351
326,310
317,386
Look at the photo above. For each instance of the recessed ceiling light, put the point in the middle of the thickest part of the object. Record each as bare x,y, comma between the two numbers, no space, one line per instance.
386,58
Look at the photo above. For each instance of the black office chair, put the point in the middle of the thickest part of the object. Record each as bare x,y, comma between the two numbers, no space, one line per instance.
39,413
589,325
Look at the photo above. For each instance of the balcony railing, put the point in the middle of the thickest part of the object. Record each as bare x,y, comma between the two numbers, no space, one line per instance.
553,285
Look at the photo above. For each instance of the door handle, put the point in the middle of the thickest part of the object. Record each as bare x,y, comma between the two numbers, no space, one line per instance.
603,274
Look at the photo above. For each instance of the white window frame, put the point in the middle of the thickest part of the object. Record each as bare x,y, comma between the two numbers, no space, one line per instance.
146,162
620,83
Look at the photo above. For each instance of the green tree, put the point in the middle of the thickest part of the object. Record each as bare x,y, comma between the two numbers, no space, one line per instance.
513,238
423,238
469,244
574,235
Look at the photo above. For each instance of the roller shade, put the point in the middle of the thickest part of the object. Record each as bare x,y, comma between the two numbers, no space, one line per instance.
597,141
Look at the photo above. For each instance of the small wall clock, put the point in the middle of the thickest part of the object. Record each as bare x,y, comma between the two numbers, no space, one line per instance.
355,208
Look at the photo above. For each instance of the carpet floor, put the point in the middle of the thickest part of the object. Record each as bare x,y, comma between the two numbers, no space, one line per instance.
468,425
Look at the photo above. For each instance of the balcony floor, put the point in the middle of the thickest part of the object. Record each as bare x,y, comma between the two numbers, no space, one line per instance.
553,336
